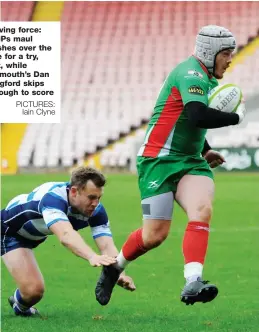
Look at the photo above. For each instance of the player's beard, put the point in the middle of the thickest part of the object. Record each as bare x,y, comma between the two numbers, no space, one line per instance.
219,77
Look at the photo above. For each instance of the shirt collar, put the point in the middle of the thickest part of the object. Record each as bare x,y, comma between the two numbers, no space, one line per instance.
204,68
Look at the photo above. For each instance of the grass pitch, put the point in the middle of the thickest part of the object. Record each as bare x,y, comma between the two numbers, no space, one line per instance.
232,263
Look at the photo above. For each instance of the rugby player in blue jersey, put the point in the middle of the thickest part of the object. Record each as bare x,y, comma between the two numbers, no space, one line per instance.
59,208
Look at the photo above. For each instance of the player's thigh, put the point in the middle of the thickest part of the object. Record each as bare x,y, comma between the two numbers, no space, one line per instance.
155,180
155,176
158,207
195,195
156,183
23,267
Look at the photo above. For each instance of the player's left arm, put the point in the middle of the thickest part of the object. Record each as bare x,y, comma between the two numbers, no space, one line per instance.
102,235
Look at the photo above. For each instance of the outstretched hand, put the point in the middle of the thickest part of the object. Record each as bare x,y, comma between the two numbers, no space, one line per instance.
126,282
214,158
99,260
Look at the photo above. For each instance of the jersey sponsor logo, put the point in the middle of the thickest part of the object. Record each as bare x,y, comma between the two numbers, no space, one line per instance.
195,73
153,184
196,90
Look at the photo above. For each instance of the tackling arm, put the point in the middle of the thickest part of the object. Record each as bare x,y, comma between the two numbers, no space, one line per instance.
75,243
106,246
54,209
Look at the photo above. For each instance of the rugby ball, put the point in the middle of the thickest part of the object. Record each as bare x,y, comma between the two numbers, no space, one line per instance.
225,98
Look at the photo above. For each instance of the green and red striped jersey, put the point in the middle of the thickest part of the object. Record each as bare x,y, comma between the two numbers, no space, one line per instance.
169,131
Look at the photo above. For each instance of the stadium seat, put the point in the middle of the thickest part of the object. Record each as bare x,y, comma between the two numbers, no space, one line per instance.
16,10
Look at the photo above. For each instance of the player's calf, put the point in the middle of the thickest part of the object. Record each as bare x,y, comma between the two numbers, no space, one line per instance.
32,292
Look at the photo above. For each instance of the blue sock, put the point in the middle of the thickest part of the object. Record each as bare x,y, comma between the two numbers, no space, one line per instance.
22,305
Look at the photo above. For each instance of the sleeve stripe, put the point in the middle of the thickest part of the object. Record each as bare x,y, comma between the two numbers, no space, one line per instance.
102,234
57,196
56,220
54,201
51,208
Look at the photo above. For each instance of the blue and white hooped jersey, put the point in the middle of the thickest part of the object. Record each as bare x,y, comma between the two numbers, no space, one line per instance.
31,215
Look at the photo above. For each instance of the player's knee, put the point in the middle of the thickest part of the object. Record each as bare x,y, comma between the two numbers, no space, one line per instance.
33,291
154,239
205,212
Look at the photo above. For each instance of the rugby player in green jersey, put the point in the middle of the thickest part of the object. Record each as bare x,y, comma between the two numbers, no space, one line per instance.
175,161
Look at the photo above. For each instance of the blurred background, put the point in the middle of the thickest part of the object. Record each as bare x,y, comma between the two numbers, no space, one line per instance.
115,56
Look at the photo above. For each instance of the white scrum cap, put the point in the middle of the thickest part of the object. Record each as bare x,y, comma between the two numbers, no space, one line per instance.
211,40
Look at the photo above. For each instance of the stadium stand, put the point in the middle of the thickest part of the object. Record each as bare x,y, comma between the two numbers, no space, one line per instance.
16,11
115,55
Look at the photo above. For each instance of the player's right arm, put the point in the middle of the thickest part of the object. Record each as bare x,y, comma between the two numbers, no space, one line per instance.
54,212
72,240
194,93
